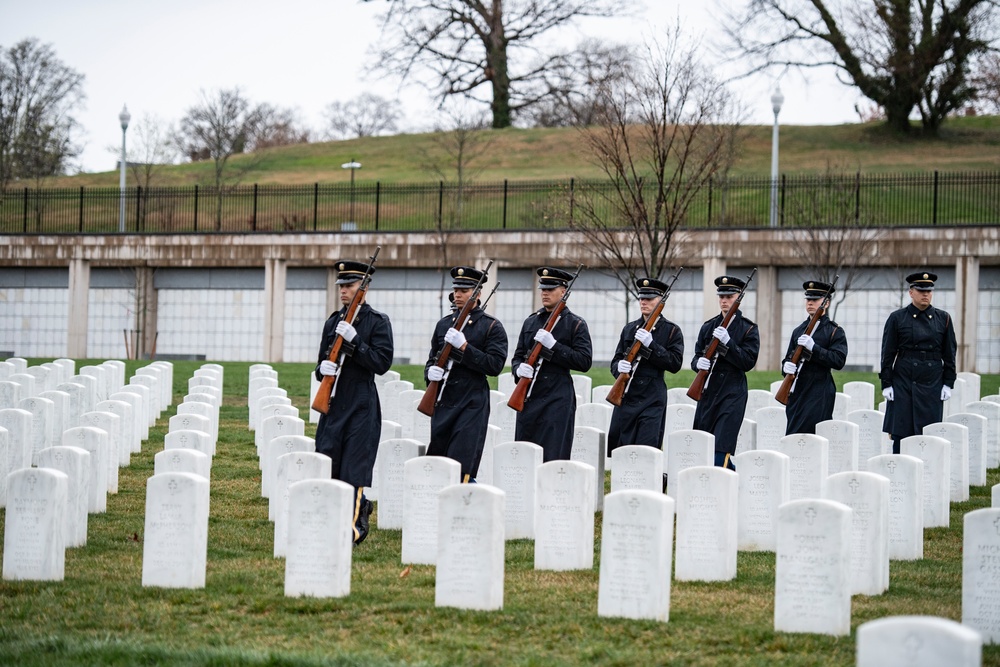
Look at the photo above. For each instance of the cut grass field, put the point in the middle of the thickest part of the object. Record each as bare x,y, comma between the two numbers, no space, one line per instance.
101,615
964,144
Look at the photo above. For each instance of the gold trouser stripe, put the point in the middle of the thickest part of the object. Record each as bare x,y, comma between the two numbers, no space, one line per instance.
465,480
725,463
357,512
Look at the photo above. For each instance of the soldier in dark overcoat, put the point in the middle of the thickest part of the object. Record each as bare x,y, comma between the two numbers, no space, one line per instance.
724,397
550,407
478,350
640,419
814,391
918,362
349,432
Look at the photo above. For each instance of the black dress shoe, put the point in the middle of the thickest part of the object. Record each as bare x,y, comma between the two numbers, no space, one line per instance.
366,509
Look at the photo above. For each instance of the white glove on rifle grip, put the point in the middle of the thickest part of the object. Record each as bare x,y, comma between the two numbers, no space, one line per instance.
722,334
347,331
806,341
703,363
643,337
624,366
327,368
454,337
545,338
435,373
525,371
789,368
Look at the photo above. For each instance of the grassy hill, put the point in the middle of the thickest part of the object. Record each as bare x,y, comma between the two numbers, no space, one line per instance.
965,144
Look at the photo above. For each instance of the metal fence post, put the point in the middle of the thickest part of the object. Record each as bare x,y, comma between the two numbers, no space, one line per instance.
572,198
25,221
254,223
139,219
505,203
709,221
81,209
782,217
196,207
378,200
440,203
857,197
935,211
315,205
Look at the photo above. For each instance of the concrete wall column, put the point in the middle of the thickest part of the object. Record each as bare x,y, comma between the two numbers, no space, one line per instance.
332,294
768,318
966,311
275,278
79,307
146,307
711,269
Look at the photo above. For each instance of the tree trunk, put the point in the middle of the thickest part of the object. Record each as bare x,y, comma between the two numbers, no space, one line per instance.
497,72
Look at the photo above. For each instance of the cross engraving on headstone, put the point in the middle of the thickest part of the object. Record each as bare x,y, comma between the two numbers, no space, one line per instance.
854,484
810,515
632,457
703,478
912,644
172,485
687,439
634,505
315,491
514,452
996,523
891,465
397,448
427,469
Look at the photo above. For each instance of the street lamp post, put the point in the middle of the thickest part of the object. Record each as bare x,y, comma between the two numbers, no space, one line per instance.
124,117
353,166
777,99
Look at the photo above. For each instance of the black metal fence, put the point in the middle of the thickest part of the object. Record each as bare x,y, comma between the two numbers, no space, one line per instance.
845,200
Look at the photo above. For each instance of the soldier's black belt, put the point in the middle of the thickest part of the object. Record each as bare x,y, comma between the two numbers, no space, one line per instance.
924,355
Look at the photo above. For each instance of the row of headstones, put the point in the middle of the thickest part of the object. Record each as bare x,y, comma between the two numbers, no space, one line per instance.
77,436
175,537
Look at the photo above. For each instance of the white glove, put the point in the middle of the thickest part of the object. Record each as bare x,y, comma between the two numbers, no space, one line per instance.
888,393
454,337
347,331
545,338
721,334
643,337
624,366
327,367
525,371
806,341
788,368
945,393
703,364
435,373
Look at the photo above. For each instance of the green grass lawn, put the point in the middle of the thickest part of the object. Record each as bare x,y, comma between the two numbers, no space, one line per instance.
101,614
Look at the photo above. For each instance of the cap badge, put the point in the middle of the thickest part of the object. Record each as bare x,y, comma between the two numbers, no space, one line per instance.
545,272
341,267
811,285
725,280
645,283
926,276
461,272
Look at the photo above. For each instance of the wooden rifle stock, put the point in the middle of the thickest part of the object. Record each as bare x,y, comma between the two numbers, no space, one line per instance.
698,386
520,393
617,392
321,402
429,398
786,383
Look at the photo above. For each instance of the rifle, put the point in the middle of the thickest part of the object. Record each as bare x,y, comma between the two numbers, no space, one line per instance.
788,382
694,391
328,386
431,394
624,380
520,392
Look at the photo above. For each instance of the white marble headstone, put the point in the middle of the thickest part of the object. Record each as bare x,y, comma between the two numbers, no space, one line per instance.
42,423
862,395
637,467
175,539
981,573
992,413
978,428
276,448
687,449
763,488
771,426
958,436
94,441
110,423
807,467
746,439
812,572
289,469
842,437
126,425
514,467
936,484
706,524
917,641
75,463
423,478
34,546
589,445
870,440
392,455
906,503
636,552
470,558
867,494
20,437
564,516
680,417
320,538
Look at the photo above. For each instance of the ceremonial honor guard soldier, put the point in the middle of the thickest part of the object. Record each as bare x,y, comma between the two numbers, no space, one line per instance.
918,362
814,391
640,419
349,431
724,398
478,350
550,407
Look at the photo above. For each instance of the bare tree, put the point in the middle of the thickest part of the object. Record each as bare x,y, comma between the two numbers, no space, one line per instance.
834,232
670,127
278,127
150,149
573,90
367,115
455,157
901,54
38,95
224,124
469,44
987,82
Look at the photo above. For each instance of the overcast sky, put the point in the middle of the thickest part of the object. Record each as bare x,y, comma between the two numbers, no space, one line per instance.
157,56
